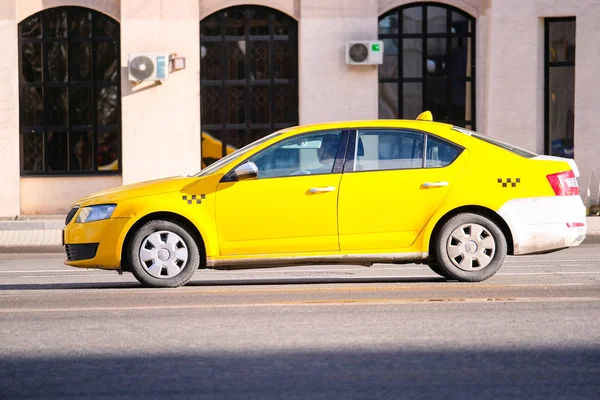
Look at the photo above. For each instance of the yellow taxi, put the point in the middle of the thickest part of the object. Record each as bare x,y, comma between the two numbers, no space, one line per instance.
359,192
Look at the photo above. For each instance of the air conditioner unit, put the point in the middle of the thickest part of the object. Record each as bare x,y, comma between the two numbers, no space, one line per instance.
364,52
148,66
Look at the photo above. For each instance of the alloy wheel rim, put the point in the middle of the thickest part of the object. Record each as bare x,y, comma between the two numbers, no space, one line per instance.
471,247
163,254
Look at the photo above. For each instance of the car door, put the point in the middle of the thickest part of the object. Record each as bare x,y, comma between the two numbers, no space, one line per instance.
291,207
389,190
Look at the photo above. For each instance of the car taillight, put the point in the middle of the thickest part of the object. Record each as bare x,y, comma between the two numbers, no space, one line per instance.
564,183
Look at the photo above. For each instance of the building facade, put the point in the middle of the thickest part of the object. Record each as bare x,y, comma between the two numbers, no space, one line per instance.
72,122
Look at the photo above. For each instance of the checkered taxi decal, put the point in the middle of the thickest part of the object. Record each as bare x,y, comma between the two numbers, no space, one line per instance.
194,199
509,181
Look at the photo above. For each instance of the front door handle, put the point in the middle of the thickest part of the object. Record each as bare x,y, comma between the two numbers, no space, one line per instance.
321,189
435,184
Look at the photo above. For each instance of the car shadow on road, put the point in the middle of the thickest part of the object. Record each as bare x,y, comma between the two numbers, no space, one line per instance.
222,282
336,374
70,285
313,281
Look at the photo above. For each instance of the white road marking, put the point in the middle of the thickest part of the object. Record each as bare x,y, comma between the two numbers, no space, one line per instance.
56,276
550,273
45,270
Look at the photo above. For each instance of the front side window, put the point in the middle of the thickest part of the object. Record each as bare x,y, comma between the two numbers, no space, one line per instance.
69,93
378,150
308,154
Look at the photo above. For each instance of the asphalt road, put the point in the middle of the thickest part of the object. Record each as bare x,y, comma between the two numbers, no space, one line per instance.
386,332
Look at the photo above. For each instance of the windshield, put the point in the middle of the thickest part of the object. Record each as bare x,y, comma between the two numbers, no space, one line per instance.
505,146
218,164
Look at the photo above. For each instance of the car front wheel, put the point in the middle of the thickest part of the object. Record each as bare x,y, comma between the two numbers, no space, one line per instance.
470,248
163,254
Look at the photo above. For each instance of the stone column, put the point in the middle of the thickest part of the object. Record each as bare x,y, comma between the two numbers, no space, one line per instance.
161,123
328,88
9,110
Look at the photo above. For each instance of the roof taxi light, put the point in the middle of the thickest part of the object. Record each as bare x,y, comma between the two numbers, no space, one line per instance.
425,116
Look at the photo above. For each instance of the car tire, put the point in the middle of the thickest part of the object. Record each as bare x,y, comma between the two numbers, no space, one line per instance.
435,267
469,248
163,254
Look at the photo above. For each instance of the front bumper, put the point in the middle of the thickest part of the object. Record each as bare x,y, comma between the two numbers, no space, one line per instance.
95,244
545,224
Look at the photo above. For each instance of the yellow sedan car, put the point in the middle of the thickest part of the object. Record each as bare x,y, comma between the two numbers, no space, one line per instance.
363,192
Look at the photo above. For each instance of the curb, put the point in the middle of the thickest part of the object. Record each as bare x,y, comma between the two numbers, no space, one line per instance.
31,225
592,238
32,249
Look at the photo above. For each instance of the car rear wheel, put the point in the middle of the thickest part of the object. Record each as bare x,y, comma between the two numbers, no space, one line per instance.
470,248
434,266
163,254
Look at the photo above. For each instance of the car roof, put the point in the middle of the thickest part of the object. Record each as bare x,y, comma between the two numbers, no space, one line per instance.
374,123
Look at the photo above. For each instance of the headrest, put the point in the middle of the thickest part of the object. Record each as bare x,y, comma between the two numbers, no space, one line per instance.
361,148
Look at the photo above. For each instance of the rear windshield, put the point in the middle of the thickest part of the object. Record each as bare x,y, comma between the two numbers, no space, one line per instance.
495,142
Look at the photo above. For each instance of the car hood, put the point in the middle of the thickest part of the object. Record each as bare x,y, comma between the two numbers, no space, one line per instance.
141,189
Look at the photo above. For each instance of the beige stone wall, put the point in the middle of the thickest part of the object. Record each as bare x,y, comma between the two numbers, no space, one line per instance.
290,7
514,84
587,98
9,111
513,89
329,89
25,8
54,195
482,62
473,7
161,123
34,195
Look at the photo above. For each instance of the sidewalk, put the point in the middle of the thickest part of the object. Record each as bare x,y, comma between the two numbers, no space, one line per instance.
32,234
43,234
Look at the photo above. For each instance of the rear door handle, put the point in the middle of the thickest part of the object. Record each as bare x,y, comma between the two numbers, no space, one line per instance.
321,189
435,184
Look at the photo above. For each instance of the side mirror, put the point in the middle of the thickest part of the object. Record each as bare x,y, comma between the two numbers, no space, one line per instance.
246,171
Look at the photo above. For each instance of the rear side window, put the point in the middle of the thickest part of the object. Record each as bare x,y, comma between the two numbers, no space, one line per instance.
440,153
379,150
513,149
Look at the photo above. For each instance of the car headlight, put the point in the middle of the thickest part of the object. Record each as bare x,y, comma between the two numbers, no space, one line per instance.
95,213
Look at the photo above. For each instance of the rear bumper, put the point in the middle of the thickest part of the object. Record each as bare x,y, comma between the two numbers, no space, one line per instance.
545,223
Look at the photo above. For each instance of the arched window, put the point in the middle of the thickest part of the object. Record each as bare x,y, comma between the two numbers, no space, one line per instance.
248,77
69,93
429,63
